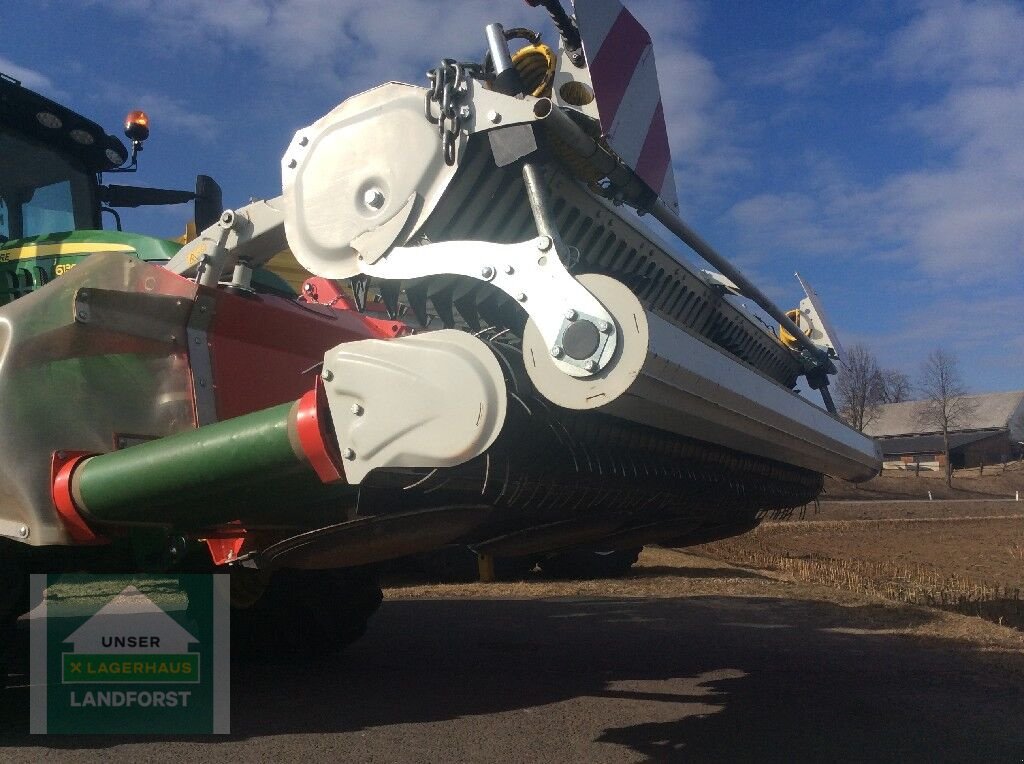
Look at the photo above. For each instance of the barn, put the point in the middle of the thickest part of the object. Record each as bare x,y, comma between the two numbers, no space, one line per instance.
993,435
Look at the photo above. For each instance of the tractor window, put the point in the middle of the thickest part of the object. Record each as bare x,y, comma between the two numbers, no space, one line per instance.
41,190
50,209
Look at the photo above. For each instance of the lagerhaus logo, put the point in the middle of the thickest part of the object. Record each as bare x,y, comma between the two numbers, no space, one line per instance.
139,654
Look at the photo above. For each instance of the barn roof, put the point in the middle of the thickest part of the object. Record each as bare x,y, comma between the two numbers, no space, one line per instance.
992,411
932,444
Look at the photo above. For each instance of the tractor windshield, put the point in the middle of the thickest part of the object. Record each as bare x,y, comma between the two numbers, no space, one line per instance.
42,190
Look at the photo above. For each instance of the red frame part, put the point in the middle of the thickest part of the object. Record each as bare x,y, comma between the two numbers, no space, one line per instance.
62,466
311,426
264,349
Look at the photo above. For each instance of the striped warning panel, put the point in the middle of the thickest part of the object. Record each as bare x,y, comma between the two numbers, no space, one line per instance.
621,60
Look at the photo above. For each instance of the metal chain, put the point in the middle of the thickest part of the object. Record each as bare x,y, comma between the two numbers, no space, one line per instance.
448,84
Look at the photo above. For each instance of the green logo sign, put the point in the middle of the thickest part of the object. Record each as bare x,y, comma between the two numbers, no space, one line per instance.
130,654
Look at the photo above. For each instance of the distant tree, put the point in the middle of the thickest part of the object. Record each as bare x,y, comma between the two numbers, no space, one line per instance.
944,405
896,386
859,388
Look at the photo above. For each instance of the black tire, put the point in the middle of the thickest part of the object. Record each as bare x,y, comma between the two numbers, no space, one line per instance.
581,563
306,612
13,602
6,641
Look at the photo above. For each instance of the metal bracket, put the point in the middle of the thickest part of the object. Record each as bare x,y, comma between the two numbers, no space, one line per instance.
199,359
529,272
151,316
14,529
584,341
254,232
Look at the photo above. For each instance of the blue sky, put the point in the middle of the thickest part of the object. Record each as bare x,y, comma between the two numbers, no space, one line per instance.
876,147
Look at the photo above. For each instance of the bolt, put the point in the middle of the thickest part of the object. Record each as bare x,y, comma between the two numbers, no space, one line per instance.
83,295
509,270
570,315
374,198
202,382
227,218
349,454
493,117
465,112
556,351
303,141
307,287
463,86
521,296
327,375
83,315
487,272
543,243
590,366
604,327
198,340
174,338
292,164
179,303
356,409
23,531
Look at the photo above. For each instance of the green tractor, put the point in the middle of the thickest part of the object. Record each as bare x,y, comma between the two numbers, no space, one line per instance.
53,201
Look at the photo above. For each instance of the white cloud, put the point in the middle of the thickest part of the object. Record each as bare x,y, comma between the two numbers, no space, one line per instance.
956,41
959,219
164,111
30,78
344,43
836,52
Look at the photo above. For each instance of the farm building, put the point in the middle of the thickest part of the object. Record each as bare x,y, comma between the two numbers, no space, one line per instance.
993,435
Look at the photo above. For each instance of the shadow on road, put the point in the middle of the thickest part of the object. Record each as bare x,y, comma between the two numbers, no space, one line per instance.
701,678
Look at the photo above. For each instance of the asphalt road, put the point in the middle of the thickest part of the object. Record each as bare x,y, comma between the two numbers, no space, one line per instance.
683,679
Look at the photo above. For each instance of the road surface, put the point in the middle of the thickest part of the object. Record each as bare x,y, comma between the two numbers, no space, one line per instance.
688,678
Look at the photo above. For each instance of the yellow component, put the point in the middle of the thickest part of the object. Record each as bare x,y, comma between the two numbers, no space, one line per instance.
485,568
287,267
802,323
536,65
30,251
189,235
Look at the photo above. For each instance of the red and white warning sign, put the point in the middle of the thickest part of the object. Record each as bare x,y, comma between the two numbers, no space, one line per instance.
625,79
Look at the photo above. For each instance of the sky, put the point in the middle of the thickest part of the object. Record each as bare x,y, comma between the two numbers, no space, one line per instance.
875,147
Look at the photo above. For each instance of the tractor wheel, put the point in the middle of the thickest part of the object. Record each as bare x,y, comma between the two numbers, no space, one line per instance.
13,602
302,612
582,563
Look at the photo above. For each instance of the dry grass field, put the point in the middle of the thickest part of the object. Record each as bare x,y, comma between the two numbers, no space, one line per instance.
961,554
883,539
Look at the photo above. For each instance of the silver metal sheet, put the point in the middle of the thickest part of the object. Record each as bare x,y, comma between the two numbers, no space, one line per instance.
68,385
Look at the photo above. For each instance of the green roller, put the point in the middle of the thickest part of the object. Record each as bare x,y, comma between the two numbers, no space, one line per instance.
183,470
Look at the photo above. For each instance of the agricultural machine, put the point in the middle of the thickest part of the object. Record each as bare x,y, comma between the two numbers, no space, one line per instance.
489,347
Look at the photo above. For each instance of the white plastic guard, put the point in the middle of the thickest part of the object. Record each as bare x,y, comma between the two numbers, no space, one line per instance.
430,400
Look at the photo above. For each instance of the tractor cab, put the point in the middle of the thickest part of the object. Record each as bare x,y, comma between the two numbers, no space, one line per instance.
53,204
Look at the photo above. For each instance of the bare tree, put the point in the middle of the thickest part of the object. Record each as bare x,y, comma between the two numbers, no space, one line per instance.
944,405
895,386
859,387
